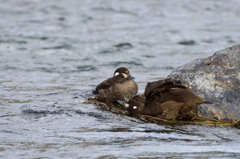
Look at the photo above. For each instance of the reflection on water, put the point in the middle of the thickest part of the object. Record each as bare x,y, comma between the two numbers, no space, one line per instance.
53,54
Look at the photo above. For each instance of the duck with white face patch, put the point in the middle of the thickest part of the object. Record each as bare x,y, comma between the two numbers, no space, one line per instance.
166,99
120,87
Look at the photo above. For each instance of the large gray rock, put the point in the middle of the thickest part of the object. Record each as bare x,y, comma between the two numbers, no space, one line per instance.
217,79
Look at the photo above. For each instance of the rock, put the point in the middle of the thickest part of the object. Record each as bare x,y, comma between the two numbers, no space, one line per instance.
216,79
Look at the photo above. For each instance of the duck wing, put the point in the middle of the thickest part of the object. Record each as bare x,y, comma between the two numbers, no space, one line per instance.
152,85
164,91
104,85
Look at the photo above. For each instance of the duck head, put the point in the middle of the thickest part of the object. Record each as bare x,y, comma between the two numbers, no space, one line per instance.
122,73
134,107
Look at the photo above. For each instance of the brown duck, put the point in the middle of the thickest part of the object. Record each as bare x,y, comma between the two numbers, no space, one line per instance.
166,99
119,87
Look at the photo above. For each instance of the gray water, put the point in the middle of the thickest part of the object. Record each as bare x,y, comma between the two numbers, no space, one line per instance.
53,54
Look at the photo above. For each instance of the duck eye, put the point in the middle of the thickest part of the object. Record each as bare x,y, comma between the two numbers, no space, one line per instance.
134,107
117,73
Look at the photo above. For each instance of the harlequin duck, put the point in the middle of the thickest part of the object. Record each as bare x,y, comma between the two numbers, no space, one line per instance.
119,87
167,100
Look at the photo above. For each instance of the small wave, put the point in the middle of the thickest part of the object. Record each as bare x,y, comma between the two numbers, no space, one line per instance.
125,63
64,46
187,42
124,46
32,111
86,68
60,111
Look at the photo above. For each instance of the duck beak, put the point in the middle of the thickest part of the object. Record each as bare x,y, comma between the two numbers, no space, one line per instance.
130,77
121,102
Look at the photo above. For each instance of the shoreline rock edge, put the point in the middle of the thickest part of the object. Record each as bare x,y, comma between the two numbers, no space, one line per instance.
216,79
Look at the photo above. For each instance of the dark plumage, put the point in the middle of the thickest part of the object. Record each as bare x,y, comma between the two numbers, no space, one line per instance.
119,87
166,99
152,85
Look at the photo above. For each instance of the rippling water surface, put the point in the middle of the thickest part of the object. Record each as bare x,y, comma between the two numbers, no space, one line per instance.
53,53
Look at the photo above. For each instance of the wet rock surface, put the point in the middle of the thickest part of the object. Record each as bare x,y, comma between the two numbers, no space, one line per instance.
216,79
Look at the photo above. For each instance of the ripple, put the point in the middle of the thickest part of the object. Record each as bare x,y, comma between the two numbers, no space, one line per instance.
58,110
14,41
187,42
125,63
36,37
107,51
124,46
86,68
32,111
9,67
64,46
111,10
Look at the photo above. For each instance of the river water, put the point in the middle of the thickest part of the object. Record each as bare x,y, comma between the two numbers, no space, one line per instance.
54,53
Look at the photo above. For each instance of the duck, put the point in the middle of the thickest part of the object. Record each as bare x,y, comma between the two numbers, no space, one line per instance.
120,87
166,99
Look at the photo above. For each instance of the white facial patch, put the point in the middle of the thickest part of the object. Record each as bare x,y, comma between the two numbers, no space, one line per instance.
134,107
125,75
117,73
126,105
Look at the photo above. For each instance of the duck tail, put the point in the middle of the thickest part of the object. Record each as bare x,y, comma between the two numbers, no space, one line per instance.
95,92
208,102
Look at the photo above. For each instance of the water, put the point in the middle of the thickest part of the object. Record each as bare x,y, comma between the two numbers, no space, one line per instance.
53,53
